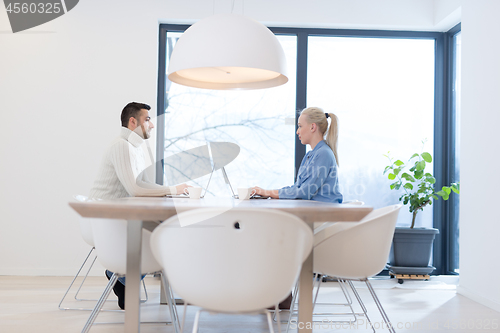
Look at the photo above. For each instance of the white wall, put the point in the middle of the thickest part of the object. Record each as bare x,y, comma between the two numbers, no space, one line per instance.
447,14
479,219
63,85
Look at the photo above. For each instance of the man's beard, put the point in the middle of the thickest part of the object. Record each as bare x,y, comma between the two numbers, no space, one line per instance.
145,135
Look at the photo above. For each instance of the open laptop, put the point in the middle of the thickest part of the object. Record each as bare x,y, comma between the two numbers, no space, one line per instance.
234,195
184,195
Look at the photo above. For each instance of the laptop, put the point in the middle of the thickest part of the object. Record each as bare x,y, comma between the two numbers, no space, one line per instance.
184,195
234,195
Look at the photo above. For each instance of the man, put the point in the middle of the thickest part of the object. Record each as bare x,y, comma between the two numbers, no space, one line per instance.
121,174
122,169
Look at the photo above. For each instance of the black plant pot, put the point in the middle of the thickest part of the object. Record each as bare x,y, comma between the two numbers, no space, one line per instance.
412,248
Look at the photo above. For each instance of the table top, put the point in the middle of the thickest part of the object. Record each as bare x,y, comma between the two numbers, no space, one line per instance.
161,208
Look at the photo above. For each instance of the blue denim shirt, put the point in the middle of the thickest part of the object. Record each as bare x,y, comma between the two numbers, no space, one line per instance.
317,178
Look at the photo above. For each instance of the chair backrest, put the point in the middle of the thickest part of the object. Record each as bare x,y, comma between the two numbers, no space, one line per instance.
328,229
110,237
358,251
232,261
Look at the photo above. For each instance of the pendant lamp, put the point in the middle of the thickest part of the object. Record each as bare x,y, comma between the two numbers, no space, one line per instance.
228,51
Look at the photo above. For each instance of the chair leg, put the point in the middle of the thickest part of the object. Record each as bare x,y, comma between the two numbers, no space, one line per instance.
100,303
319,277
358,298
348,299
145,292
174,305
184,317
196,321
73,281
84,279
380,307
292,306
355,291
269,322
342,286
171,303
278,319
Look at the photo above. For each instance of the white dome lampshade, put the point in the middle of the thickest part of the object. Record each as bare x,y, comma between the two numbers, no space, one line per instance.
228,51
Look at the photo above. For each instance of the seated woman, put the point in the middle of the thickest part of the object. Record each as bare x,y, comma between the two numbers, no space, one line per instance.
317,177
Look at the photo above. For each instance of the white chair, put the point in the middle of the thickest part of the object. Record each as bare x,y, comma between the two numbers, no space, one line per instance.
110,237
239,255
356,252
86,232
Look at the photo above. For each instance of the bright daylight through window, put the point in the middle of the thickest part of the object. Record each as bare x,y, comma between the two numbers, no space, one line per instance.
382,91
261,122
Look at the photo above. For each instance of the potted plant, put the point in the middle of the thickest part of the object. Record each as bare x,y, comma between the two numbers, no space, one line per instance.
412,247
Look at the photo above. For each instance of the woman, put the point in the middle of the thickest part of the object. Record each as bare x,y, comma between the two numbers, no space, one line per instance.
317,176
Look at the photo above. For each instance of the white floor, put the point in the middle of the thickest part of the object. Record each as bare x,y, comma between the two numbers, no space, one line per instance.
29,304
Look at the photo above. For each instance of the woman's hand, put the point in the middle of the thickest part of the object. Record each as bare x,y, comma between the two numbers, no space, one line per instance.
180,188
266,193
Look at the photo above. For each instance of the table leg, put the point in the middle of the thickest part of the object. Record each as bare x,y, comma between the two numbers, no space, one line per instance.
305,323
133,277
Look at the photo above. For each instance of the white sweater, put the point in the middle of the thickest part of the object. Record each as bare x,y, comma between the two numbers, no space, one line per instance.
121,173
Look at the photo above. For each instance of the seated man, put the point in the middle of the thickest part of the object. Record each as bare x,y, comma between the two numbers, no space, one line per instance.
121,172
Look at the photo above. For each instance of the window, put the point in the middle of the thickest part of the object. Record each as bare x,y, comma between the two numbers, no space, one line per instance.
261,122
388,89
382,91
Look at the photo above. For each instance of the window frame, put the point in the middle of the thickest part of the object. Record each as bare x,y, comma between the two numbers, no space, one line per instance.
443,125
444,214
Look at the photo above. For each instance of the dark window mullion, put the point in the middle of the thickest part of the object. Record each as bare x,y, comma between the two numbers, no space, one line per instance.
160,103
301,94
440,153
451,211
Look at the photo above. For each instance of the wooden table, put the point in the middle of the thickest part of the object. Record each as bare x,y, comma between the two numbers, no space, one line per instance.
136,210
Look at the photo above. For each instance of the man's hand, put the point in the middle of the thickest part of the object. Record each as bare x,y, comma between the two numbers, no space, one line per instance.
180,188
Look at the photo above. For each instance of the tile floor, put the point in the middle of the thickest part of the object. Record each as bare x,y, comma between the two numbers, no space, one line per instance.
29,304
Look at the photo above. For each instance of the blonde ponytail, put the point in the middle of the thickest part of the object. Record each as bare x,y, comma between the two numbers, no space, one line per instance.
333,135
318,116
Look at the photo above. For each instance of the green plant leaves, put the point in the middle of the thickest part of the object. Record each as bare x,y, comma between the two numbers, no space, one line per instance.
427,157
408,186
414,155
420,165
418,185
408,177
443,194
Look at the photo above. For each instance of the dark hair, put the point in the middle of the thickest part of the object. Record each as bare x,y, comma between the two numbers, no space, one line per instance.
132,110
